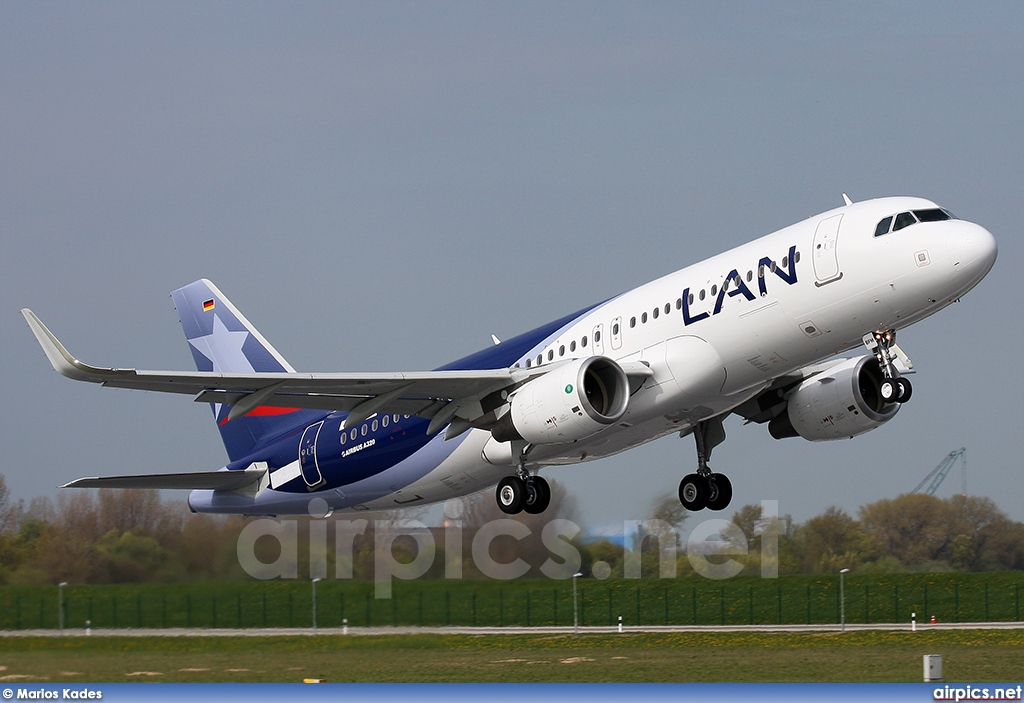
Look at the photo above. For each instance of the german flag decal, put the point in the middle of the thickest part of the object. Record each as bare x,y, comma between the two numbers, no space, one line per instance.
207,305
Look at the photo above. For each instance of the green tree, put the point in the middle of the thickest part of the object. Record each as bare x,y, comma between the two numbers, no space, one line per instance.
131,558
833,541
915,528
659,537
984,538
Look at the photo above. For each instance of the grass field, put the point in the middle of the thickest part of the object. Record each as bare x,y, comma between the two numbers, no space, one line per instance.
968,655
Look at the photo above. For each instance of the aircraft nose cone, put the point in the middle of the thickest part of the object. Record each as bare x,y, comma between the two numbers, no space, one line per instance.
972,250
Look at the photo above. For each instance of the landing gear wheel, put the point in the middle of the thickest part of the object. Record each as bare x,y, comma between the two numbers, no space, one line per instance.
889,390
511,494
720,492
538,496
905,390
693,492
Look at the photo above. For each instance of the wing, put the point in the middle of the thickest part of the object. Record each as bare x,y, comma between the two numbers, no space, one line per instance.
772,400
425,393
462,399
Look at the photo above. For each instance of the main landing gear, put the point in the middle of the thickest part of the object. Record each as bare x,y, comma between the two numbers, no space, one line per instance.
706,489
523,492
894,388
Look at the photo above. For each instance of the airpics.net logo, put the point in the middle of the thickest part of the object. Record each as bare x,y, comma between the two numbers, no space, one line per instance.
710,548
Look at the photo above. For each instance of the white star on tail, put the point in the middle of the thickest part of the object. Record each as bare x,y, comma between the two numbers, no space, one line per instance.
224,348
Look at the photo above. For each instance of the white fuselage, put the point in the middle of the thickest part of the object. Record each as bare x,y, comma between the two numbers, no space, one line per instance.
848,283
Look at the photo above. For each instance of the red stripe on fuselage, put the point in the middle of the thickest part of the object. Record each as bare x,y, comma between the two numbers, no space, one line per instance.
265,411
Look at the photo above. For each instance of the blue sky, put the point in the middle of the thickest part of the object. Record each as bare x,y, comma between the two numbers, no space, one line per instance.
381,186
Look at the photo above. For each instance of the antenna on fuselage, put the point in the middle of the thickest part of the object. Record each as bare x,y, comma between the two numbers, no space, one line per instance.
847,199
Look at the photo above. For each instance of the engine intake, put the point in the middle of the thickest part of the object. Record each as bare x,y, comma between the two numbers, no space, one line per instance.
839,403
568,403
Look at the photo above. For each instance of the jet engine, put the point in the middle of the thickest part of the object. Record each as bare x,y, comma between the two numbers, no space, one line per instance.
568,403
842,402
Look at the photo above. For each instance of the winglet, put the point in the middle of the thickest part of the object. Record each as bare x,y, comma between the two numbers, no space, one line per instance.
61,359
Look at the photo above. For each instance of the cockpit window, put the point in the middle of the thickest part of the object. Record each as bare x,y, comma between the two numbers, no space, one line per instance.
904,219
936,215
893,223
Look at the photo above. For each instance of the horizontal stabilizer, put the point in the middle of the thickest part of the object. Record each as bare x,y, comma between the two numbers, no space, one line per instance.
196,480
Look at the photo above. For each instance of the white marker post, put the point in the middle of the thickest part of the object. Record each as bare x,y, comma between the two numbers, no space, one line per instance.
913,622
620,624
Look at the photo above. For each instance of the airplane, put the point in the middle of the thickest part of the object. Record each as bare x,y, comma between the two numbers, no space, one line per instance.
755,332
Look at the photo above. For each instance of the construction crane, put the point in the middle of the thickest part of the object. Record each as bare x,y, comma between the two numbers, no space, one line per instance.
939,472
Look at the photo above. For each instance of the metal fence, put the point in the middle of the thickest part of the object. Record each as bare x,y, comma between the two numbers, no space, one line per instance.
740,601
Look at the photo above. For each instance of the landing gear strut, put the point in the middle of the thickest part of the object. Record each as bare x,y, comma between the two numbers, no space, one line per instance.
894,388
523,492
706,489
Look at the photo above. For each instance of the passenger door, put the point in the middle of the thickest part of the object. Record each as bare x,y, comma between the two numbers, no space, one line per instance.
825,257
308,465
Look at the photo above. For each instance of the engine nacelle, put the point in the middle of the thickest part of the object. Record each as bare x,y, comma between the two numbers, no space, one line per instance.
567,403
839,403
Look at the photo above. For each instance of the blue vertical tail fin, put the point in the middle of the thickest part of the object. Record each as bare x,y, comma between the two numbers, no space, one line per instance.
222,340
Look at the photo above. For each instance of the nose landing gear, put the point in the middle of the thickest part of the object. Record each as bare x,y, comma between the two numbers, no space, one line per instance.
894,388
